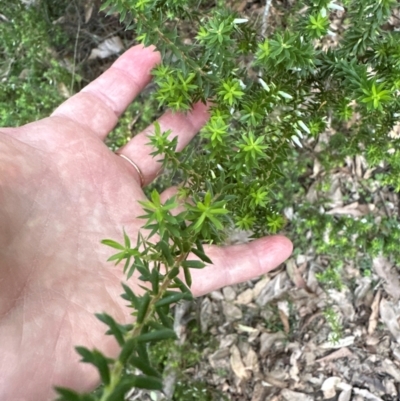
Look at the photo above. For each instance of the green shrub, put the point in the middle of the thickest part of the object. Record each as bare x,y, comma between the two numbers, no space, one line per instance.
33,78
272,99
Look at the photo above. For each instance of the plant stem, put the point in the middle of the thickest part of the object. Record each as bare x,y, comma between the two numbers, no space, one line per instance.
117,370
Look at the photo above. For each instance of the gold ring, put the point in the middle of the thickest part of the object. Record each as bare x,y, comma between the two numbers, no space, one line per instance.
141,176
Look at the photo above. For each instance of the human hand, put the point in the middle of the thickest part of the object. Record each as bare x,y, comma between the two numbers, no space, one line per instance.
61,192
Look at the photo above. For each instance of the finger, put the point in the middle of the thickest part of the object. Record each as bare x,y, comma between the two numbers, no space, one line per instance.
98,105
184,126
168,194
237,263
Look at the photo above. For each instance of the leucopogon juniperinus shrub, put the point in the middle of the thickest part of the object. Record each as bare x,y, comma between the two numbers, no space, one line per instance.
270,95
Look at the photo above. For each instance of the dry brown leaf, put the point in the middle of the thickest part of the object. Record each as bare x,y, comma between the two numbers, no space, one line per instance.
245,297
317,168
237,364
366,394
241,328
231,312
88,6
259,392
335,193
278,286
363,293
373,318
229,293
271,340
4,18
63,90
290,395
353,209
391,369
219,358
295,275
283,309
294,369
260,286
390,388
237,236
228,340
271,381
396,352
107,48
206,313
345,395
239,7
289,212
389,317
329,386
343,342
359,166
395,131
312,193
383,268
344,301
251,361
216,295
340,353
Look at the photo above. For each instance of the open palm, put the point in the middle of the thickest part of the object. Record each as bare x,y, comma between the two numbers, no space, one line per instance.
61,192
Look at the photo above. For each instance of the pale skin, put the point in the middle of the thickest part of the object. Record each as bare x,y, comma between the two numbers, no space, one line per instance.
61,192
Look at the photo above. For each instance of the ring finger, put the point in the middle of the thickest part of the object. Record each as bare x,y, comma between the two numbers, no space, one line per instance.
183,126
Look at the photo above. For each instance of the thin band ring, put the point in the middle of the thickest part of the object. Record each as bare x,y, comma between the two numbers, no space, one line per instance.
141,176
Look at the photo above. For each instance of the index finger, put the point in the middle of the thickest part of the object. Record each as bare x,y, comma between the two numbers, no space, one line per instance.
98,106
238,263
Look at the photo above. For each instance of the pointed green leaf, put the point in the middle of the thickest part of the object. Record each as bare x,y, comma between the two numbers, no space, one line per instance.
155,280
65,394
181,285
173,273
127,241
97,359
173,299
201,255
126,265
155,197
188,276
127,350
147,382
142,352
112,244
154,336
118,257
144,273
85,353
193,264
144,367
115,329
166,320
134,381
129,295
166,252
143,307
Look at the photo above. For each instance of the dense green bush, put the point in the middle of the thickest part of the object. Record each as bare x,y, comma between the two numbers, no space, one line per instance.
274,99
33,80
